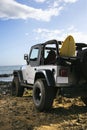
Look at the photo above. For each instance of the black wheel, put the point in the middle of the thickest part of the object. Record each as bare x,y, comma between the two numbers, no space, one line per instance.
84,99
43,95
16,89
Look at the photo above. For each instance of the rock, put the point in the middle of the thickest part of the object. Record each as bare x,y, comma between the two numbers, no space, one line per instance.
5,88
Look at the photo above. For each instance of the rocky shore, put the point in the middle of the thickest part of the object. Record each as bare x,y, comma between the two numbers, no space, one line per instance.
5,88
5,75
20,114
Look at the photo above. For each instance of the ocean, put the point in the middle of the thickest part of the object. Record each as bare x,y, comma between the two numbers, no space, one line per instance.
8,70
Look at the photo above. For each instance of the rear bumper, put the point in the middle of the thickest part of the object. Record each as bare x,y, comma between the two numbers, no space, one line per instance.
74,91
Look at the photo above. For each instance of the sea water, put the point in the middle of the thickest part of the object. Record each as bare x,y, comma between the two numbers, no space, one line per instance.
8,70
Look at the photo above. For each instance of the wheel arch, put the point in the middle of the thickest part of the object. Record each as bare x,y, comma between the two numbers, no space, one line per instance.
18,73
47,75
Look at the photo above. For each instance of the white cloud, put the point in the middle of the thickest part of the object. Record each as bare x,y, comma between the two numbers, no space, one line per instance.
70,1
41,1
11,9
79,36
56,4
27,34
72,28
45,34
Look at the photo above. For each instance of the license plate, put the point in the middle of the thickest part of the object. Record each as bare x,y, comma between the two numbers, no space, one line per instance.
62,80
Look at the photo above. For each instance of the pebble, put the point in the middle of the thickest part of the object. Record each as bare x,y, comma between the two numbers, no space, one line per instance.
5,88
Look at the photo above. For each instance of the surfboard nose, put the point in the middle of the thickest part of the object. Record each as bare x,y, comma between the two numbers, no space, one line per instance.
68,47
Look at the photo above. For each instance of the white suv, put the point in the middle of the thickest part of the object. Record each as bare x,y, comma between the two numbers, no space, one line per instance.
51,75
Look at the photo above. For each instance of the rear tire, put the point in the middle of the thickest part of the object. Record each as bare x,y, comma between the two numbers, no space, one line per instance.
84,99
16,89
43,95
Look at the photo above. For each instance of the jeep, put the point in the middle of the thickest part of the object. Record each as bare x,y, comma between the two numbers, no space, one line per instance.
50,75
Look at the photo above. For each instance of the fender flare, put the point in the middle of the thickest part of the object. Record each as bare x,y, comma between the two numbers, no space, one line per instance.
47,75
18,73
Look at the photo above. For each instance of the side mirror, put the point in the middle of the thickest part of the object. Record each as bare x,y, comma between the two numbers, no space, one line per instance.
26,58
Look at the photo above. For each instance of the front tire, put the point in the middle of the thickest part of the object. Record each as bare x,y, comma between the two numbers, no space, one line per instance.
43,95
16,89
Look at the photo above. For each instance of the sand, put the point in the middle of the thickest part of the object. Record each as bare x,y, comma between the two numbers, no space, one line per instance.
19,113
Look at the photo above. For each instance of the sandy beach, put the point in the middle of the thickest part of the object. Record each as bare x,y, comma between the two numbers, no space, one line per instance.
19,113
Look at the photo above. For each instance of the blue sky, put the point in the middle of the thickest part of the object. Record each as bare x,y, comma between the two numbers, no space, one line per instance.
24,23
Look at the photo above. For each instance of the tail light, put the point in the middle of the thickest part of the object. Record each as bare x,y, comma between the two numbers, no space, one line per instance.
63,72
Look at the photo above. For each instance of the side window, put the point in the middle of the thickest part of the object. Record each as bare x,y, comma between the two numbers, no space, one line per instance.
50,54
46,53
48,48
34,54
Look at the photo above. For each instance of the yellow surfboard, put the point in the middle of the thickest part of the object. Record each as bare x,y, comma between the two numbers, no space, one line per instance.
68,47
